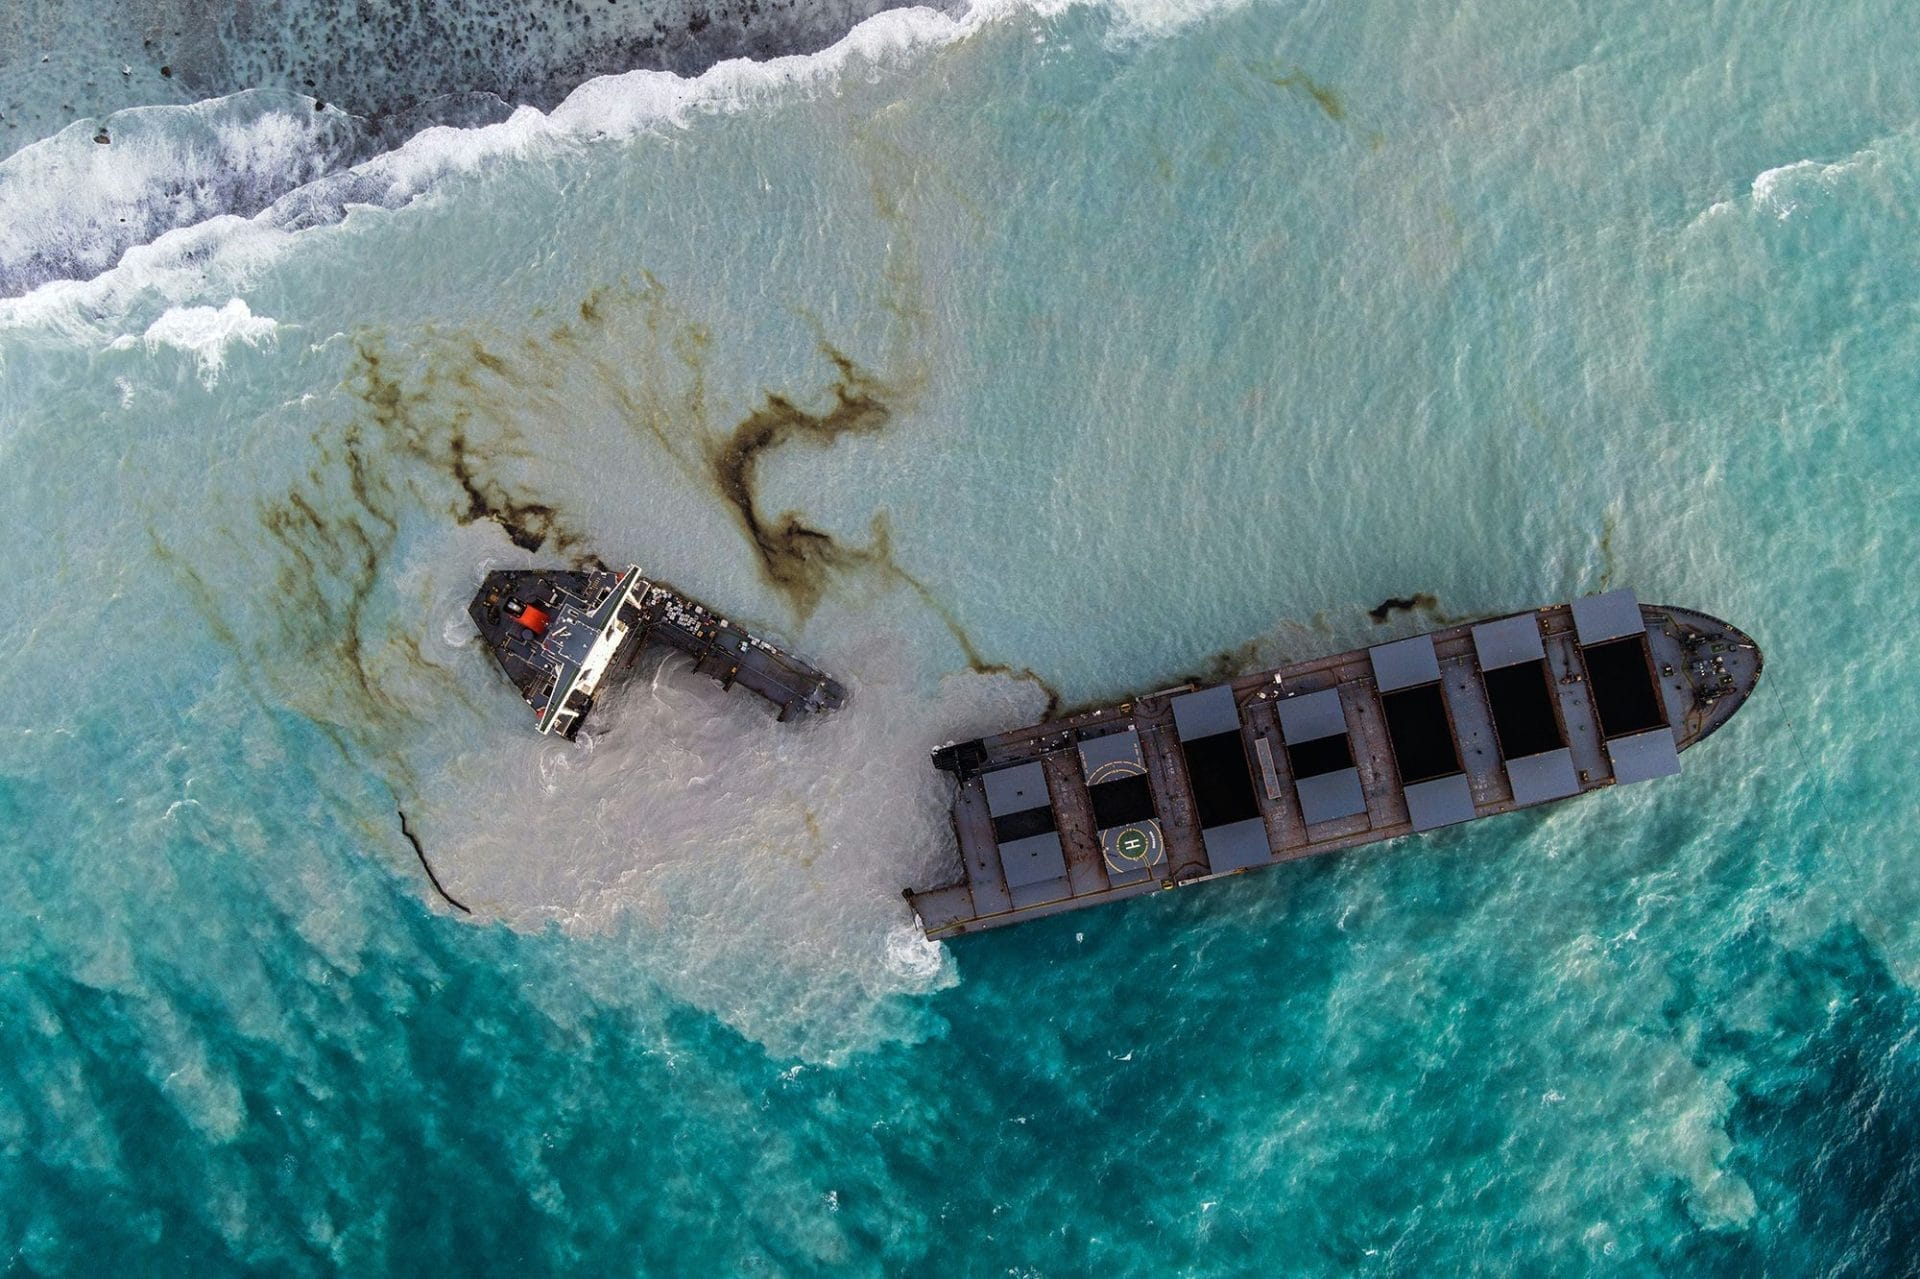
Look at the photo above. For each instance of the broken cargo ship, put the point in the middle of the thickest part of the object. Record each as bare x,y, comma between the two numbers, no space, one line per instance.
1196,783
559,635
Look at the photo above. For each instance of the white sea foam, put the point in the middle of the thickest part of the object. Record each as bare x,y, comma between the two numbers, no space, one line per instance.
750,867
208,333
1787,189
1158,18
1781,190
180,169
456,631
159,213
187,267
911,956
73,204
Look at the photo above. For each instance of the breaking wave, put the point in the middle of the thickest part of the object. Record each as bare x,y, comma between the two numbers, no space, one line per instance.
75,207
1883,170
207,333
77,201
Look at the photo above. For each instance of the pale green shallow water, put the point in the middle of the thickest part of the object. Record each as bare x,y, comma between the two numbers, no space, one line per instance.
1194,331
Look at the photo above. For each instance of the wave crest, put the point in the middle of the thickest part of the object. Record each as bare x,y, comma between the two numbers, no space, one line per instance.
74,204
208,333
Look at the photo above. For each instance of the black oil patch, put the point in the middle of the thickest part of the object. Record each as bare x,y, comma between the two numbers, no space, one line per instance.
436,428
1607,527
250,667
1220,667
799,560
976,661
796,559
423,438
1229,663
1380,614
406,830
327,577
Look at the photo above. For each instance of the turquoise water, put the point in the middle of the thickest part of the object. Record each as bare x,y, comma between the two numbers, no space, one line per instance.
1199,331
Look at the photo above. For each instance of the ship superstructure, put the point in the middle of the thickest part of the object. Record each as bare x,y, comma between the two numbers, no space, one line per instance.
559,634
1408,736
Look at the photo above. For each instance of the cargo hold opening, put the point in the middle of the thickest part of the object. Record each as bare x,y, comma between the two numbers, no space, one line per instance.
1023,825
1320,756
1222,783
1620,674
1121,802
1422,735
1522,704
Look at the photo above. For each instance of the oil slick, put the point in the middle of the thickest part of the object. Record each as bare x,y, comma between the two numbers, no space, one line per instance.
1420,602
427,442
406,831
794,558
445,445
423,444
1294,80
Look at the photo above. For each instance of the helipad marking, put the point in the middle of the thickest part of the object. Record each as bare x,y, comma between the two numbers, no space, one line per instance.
1132,848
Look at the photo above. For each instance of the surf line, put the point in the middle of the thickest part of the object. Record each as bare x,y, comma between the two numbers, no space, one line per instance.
421,853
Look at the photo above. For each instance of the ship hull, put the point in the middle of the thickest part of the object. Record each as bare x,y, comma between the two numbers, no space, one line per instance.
559,634
1471,721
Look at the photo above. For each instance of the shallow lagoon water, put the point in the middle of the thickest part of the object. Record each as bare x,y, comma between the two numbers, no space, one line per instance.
1194,334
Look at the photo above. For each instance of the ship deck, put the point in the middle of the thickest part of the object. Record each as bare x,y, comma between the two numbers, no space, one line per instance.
559,633
1422,730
